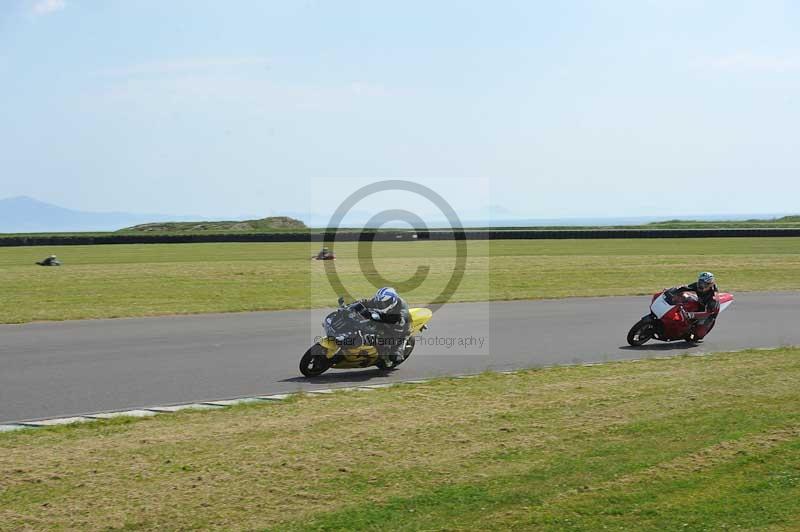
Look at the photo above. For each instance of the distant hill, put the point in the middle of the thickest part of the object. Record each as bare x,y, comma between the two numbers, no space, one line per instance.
270,223
783,221
23,214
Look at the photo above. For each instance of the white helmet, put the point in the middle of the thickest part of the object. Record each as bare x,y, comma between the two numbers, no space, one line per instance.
386,294
705,279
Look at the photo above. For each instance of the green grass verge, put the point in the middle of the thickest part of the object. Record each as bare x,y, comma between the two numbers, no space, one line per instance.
685,443
146,280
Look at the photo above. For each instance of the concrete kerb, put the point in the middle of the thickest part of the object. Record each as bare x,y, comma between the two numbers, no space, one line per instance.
123,413
12,427
57,421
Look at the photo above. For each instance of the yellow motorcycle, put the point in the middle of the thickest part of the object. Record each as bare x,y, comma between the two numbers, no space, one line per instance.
347,344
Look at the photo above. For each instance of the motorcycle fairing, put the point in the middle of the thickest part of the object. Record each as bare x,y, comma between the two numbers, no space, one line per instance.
724,300
672,326
419,318
659,306
366,355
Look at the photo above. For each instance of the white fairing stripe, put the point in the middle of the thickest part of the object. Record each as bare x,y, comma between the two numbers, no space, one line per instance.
725,305
660,307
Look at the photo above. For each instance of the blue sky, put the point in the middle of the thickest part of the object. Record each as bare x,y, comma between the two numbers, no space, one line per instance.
532,109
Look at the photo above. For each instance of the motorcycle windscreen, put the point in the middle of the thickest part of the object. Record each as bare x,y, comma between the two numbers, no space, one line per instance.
659,307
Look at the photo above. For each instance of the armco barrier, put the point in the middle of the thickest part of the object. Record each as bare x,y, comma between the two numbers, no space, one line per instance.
616,233
391,236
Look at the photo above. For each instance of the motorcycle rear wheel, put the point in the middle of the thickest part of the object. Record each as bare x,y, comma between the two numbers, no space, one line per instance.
640,333
314,362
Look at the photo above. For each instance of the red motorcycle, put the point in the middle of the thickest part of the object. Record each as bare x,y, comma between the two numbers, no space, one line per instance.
669,317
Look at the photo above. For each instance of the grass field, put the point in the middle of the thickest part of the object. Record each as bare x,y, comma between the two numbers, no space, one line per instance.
685,443
145,280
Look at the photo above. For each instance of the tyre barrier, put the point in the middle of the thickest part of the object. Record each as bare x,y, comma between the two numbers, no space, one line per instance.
391,236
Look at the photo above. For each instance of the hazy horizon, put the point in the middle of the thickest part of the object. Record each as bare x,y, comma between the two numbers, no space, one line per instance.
539,111
115,220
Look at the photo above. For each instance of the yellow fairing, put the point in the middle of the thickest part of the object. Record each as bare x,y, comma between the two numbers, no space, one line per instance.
363,356
330,346
419,317
354,357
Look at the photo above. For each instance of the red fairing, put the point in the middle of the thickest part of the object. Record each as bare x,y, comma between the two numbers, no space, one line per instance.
674,325
669,317
724,297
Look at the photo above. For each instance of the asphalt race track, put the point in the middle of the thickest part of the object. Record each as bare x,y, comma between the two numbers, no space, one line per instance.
79,367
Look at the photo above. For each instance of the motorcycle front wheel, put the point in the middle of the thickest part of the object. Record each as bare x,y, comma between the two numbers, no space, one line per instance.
314,362
410,343
640,333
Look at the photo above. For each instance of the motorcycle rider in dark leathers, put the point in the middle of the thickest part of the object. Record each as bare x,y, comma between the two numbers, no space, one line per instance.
706,290
390,312
49,261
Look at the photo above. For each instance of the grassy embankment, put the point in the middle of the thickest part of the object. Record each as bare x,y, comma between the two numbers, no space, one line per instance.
791,222
295,226
156,279
269,225
678,444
